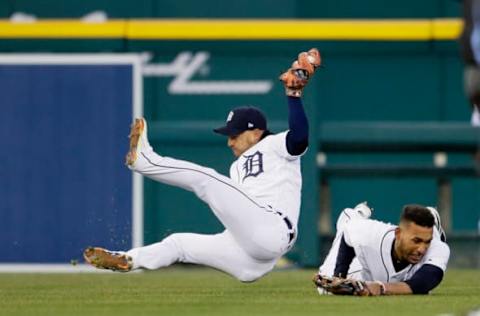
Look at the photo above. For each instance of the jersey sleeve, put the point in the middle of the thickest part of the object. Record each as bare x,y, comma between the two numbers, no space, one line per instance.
278,144
438,254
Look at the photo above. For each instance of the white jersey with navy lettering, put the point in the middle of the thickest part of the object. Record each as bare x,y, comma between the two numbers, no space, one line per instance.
269,173
373,240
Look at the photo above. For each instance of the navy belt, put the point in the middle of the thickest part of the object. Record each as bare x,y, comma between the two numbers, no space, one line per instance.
291,233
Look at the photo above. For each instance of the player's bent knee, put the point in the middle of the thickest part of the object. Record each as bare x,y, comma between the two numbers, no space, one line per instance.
268,244
249,276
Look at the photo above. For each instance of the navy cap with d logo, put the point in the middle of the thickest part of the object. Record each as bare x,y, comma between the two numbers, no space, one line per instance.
242,119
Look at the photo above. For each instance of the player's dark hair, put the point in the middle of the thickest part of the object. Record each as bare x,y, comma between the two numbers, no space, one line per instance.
417,214
265,134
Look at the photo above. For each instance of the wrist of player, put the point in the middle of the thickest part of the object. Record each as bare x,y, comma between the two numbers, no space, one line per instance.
376,288
293,92
293,82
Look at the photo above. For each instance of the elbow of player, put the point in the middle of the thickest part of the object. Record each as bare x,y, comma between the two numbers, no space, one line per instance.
420,289
425,280
421,292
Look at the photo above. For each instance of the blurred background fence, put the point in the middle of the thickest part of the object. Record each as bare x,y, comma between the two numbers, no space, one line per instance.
389,120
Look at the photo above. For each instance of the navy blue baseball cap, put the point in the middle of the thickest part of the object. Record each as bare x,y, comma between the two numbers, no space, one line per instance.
242,119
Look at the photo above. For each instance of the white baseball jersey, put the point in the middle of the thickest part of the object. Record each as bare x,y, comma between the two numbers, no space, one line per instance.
373,240
268,172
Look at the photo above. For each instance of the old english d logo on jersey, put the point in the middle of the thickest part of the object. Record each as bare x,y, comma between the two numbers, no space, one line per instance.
253,165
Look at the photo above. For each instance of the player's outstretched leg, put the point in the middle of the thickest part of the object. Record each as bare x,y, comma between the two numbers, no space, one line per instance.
438,229
220,251
105,259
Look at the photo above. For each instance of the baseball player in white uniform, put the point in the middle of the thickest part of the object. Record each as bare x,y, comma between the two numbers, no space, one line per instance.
258,205
410,258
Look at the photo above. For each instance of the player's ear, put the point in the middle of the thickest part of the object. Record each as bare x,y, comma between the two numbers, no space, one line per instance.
398,232
257,134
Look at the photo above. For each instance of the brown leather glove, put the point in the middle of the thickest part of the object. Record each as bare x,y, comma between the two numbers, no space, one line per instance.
341,286
296,78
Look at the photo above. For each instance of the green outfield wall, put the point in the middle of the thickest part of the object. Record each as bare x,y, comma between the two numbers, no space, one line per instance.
405,67
237,9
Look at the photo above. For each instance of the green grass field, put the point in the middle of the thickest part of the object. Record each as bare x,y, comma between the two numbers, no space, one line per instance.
198,291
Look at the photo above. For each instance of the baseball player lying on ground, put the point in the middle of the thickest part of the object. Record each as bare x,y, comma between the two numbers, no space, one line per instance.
258,205
369,257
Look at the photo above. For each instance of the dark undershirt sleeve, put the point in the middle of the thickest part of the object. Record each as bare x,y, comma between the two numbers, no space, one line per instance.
425,279
344,259
297,136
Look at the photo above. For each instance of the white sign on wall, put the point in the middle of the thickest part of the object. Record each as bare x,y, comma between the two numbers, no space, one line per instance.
186,65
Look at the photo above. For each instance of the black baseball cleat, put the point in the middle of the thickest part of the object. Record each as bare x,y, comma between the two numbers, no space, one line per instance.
105,259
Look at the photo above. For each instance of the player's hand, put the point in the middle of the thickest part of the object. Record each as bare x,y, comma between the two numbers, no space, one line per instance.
297,77
341,286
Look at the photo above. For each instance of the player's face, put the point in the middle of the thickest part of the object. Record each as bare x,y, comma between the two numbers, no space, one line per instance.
242,142
412,241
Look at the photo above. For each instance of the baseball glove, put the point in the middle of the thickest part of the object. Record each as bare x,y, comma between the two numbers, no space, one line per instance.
296,78
341,286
